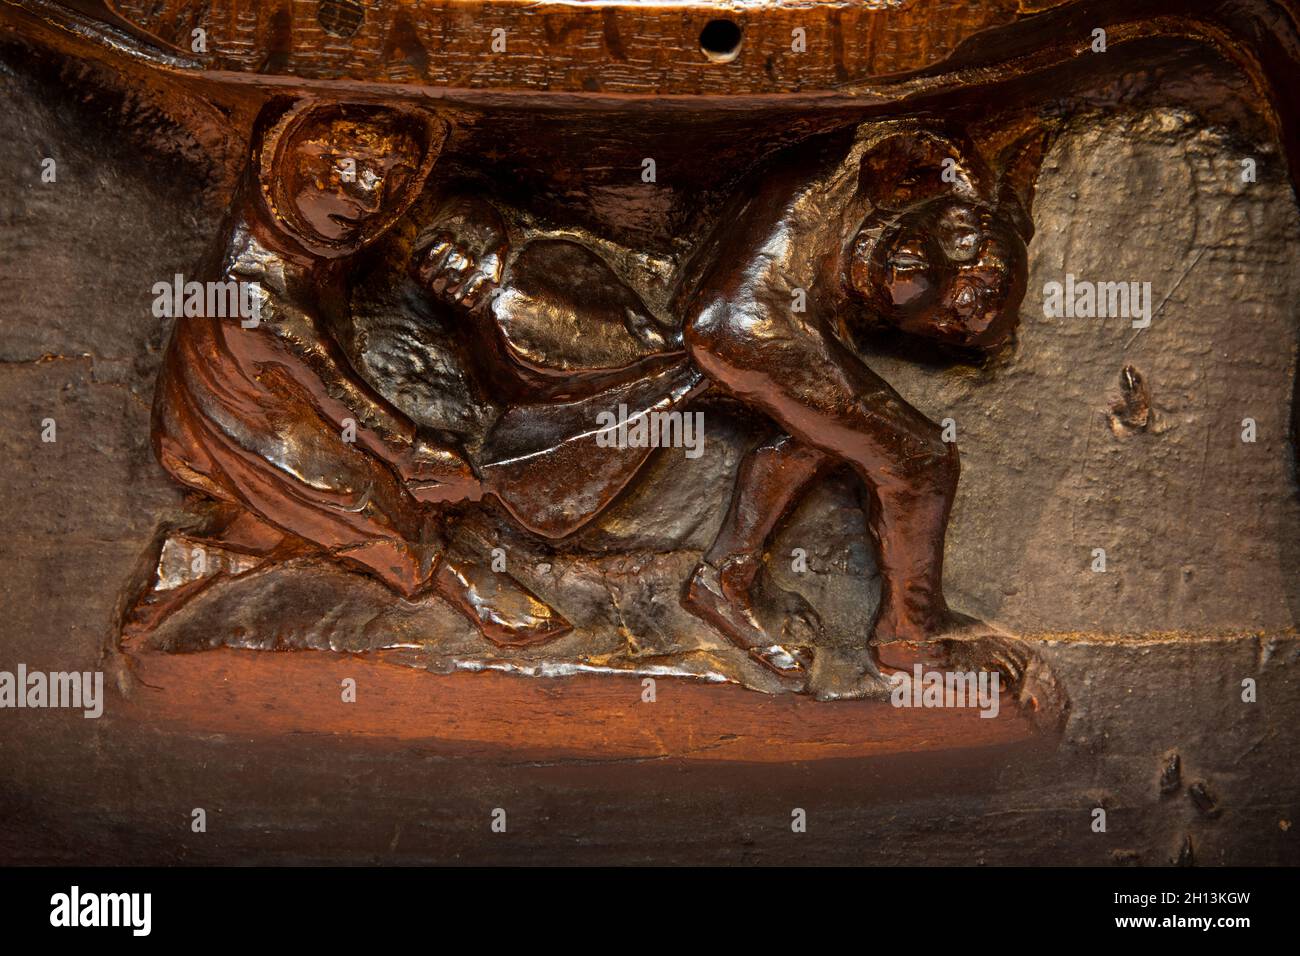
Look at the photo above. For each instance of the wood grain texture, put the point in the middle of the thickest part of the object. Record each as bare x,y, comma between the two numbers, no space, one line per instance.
623,47
594,717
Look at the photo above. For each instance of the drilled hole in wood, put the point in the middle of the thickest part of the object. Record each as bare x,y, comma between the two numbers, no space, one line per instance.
720,40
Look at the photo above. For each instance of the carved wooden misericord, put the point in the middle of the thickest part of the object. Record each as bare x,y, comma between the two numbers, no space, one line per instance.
502,288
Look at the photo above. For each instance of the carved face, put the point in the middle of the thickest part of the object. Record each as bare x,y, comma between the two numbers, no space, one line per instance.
950,270
939,257
340,176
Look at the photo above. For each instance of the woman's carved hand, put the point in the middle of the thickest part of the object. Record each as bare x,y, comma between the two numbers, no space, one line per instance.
437,472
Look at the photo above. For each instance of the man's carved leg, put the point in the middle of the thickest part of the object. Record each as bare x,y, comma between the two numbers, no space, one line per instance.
720,590
796,370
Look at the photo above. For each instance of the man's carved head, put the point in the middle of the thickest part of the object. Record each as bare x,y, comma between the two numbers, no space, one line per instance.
336,176
942,254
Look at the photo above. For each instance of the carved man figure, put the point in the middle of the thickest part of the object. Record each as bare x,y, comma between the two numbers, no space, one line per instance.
902,228
896,227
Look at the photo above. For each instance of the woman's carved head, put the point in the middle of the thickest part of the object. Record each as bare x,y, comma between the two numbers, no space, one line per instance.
336,176
942,254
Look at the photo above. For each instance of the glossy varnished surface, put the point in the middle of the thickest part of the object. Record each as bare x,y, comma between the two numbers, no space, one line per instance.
583,716
1136,141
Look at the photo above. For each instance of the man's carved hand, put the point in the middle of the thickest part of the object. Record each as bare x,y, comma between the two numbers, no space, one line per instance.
436,472
462,262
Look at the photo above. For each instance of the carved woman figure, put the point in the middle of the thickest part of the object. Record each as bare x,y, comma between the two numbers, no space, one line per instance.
270,419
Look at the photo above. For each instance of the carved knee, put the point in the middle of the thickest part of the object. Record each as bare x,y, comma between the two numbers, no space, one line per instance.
941,463
923,462
710,333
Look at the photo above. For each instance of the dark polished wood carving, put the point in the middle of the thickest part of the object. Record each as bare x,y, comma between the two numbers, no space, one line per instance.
880,201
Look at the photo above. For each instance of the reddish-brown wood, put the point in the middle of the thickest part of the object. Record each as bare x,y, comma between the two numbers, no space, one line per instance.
624,48
265,694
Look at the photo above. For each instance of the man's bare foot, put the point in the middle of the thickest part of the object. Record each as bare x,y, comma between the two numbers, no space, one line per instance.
935,641
975,646
504,611
723,600
966,643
